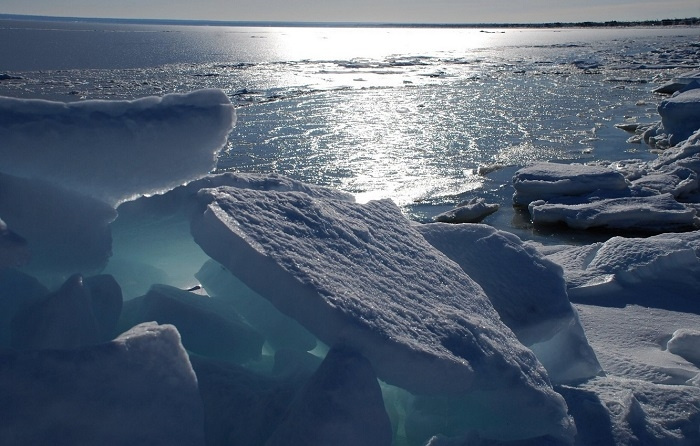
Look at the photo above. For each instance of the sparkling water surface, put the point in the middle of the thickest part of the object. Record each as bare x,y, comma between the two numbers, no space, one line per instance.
412,114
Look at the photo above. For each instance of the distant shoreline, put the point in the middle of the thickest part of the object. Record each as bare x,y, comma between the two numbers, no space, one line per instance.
693,21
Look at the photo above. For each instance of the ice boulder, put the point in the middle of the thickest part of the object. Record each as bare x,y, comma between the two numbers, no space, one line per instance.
680,115
137,389
114,150
341,404
656,213
471,211
360,276
208,327
686,343
544,181
526,289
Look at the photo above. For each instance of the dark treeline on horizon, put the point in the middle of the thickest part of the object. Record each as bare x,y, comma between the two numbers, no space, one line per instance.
692,21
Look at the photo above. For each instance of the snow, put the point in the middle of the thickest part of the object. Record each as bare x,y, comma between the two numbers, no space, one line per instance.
115,150
138,389
360,276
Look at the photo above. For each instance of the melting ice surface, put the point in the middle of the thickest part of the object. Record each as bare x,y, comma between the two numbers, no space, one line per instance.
312,298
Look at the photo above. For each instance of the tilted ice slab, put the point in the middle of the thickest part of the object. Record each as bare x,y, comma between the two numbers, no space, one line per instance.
526,289
115,150
361,276
656,213
544,181
138,389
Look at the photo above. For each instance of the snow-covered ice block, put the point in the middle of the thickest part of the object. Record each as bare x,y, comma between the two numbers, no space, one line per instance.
657,268
656,213
675,180
526,289
680,115
361,276
208,327
472,211
65,231
544,181
687,149
114,150
341,404
137,389
686,343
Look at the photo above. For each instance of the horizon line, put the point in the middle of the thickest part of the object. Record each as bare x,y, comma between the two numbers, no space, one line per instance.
688,21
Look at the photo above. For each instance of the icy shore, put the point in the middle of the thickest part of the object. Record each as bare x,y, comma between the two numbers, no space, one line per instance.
289,314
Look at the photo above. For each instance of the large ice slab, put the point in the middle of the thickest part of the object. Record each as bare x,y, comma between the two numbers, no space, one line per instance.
543,181
656,213
526,289
115,150
361,276
137,389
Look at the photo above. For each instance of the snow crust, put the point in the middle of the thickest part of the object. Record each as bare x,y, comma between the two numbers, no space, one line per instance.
361,276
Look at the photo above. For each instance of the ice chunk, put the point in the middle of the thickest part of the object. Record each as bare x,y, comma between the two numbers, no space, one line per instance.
526,289
65,231
137,389
208,327
657,213
658,270
340,405
680,115
472,211
361,276
686,343
543,181
114,150
677,180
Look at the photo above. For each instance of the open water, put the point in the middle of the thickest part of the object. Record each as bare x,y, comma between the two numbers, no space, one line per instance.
417,115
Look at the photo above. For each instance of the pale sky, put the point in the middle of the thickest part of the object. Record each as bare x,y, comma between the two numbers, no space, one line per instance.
423,11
